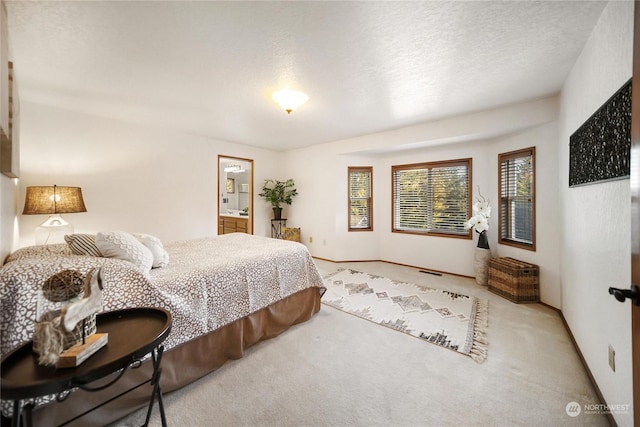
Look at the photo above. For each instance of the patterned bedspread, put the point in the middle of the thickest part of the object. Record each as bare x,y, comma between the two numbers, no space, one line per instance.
207,284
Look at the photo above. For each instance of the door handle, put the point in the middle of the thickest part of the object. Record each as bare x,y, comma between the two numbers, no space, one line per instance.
622,294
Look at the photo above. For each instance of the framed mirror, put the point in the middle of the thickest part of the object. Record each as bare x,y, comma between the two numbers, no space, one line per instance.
235,195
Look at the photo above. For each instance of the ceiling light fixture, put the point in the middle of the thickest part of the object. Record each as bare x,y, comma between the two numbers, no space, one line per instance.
289,100
233,168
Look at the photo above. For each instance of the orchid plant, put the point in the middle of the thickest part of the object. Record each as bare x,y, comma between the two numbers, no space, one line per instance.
480,221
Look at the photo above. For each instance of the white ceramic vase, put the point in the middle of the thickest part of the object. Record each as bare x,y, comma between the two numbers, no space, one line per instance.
481,265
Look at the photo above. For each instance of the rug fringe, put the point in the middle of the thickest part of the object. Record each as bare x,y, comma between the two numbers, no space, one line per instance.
479,349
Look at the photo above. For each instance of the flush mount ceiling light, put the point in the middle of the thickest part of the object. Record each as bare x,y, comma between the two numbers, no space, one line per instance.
289,100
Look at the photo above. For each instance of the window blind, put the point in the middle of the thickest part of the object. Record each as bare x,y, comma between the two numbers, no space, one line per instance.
360,198
431,197
517,197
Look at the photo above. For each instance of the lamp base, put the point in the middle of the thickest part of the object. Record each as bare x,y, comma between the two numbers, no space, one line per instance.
52,230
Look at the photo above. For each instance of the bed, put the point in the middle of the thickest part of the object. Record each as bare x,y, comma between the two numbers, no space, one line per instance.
225,294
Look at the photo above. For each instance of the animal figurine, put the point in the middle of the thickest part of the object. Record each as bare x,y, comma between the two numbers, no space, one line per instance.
90,304
53,330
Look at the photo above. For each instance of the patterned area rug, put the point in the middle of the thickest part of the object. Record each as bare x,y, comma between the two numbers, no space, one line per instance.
454,321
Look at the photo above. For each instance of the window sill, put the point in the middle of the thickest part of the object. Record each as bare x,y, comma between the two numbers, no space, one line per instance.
525,246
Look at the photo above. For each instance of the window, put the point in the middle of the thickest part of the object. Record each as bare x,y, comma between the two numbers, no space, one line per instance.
360,200
517,198
432,198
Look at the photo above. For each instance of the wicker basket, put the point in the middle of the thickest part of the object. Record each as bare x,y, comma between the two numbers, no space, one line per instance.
514,280
63,286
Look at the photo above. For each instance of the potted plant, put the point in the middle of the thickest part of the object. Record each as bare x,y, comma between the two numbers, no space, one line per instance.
277,192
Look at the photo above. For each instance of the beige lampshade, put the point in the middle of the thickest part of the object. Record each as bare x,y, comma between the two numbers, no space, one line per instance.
53,200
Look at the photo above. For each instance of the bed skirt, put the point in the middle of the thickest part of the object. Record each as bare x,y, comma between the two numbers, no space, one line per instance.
182,364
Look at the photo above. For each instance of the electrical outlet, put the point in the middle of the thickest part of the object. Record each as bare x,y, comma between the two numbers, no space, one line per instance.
612,358
310,239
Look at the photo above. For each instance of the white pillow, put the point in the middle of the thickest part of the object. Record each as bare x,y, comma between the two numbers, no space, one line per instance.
122,245
160,255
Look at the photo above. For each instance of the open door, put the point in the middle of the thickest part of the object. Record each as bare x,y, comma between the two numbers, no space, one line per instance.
633,293
635,213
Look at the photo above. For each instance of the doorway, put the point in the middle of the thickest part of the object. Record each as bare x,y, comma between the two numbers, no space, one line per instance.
635,214
235,195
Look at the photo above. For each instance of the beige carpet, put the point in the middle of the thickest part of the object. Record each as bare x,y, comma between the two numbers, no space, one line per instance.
339,370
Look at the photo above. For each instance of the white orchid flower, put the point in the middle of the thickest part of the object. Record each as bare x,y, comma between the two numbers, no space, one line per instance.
471,223
482,208
480,219
482,225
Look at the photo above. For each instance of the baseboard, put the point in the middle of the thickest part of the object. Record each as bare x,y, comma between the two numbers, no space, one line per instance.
610,418
400,264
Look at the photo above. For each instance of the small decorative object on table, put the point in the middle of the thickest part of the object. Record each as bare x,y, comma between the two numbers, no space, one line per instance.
65,331
480,223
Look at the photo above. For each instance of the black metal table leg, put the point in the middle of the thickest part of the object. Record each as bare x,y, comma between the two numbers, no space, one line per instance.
22,414
15,418
156,359
27,414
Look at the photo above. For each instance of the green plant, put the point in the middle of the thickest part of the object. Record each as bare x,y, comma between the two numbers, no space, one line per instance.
277,192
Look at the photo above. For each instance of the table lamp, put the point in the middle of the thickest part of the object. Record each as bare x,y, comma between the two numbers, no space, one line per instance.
53,200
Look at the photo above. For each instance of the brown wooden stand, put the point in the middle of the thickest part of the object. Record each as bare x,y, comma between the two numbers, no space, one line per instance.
75,355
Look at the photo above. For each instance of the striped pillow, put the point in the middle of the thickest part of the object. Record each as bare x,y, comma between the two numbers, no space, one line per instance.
82,244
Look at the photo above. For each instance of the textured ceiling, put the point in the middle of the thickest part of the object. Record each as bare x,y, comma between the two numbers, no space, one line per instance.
209,68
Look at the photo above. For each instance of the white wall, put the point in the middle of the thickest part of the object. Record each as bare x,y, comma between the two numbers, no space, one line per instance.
8,216
8,186
321,177
596,218
548,235
133,178
4,68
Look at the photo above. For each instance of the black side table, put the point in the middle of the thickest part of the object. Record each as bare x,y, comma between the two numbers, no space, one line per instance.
133,333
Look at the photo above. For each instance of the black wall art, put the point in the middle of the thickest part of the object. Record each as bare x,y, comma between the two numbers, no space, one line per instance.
600,149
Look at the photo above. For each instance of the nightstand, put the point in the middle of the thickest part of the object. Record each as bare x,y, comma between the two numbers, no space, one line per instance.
133,333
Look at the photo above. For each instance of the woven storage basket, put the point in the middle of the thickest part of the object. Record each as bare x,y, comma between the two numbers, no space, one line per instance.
514,280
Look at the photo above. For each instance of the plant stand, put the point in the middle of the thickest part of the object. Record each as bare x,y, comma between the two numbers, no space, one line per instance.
276,227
